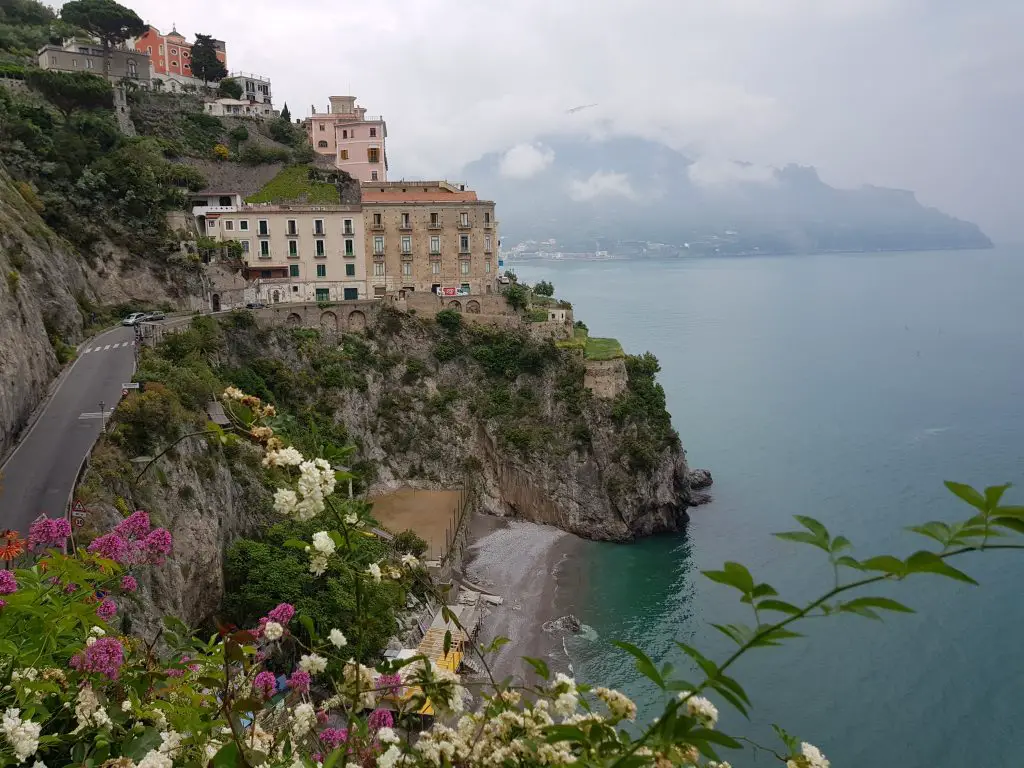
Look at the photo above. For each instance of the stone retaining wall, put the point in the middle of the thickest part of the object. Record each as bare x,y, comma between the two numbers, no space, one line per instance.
605,378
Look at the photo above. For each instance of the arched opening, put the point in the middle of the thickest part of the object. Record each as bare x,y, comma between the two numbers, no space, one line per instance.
456,305
322,144
277,296
215,300
294,319
356,321
473,307
329,321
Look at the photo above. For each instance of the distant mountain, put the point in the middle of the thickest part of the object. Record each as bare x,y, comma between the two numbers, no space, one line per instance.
617,193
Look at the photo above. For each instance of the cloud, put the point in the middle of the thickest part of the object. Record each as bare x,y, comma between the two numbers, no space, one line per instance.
712,173
601,184
525,160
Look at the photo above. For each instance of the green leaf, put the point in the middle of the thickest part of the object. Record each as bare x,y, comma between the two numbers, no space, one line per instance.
773,637
715,737
778,605
227,756
929,562
1013,523
496,644
1010,511
734,575
738,633
813,526
993,494
861,611
802,537
840,543
792,743
733,686
540,666
307,622
733,699
849,562
296,544
644,665
555,733
175,624
968,494
137,746
935,530
447,641
763,590
885,563
883,603
247,705
709,667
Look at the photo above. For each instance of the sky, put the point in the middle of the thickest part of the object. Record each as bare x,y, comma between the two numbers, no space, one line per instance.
926,95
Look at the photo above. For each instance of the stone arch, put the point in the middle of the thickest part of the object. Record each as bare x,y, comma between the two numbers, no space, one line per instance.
456,305
356,321
473,307
215,300
294,319
329,321
277,296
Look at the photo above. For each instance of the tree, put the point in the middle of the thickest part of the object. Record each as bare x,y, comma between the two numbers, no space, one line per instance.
230,88
70,91
238,135
108,20
285,114
544,288
517,297
205,64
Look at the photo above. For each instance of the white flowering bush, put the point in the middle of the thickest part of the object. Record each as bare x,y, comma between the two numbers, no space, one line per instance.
75,692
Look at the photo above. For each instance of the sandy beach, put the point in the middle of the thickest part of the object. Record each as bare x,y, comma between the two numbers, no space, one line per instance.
521,562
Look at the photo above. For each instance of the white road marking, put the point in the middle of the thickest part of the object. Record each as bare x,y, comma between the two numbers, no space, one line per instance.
93,415
106,348
87,350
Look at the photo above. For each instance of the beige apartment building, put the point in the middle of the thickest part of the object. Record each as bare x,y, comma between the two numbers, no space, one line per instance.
429,236
295,252
85,56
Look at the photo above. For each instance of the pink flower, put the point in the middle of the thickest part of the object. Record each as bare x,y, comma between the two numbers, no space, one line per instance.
135,526
282,614
265,684
174,672
107,609
129,584
380,718
299,681
157,545
389,684
48,533
8,584
332,738
105,657
112,547
70,588
3,603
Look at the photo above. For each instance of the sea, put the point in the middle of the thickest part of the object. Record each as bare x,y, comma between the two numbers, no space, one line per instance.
847,388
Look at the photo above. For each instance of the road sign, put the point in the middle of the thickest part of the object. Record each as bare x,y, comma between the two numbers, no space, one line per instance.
78,520
78,506
124,393
130,385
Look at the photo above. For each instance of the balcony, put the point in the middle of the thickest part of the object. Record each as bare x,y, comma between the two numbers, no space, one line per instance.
320,255
405,226
293,255
465,224
378,257
265,256
319,232
348,233
377,226
349,254
488,225
434,225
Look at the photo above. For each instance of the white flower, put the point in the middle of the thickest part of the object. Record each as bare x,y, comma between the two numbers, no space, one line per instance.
273,631
318,565
38,764
21,735
565,704
564,683
88,710
286,457
170,742
814,757
620,705
410,561
285,501
323,543
387,736
126,705
337,638
700,709
155,759
90,641
351,518
312,663
98,631
303,720
374,570
28,673
390,758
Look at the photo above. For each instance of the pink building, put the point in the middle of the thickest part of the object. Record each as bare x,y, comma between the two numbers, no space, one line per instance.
355,141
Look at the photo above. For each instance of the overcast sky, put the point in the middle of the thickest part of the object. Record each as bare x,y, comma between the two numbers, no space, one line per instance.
919,94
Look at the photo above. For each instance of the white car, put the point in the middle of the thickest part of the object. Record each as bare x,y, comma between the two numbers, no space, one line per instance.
133,318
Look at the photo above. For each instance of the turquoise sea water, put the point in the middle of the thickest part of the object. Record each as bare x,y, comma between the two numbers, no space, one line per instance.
848,388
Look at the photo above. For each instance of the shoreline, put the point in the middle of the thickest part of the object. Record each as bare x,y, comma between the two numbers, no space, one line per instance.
524,563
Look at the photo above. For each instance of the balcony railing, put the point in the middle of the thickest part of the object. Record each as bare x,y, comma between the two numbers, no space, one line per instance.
465,224
377,227
348,233
434,225
293,255
405,226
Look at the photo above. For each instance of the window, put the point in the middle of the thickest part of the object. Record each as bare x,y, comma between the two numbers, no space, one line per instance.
244,225
378,269
435,219
322,144
373,175
323,127
464,267
463,243
435,267
149,49
174,51
263,227
295,288
245,246
351,294
184,53
293,270
406,244
344,134
264,249
161,48
293,228
406,269
373,155
348,227
350,270
350,248
405,221
53,60
319,249
376,220
74,63
323,294
344,154
229,225
211,223
373,133
487,266
293,249
487,217
435,244
88,64
321,270
378,244
318,226
463,219
464,287
487,243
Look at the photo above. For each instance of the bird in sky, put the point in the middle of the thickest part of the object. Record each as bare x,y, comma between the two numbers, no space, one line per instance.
577,109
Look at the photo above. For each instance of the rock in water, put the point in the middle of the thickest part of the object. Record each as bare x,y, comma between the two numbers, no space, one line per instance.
699,478
568,623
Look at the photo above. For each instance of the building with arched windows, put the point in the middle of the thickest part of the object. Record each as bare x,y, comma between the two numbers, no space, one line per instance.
84,55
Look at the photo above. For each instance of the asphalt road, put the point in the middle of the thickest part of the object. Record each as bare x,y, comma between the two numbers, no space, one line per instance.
41,472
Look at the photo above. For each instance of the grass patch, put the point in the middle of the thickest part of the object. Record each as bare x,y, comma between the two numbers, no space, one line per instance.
603,349
293,184
578,340
537,316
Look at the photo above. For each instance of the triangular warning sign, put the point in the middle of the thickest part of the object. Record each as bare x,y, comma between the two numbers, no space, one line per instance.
78,507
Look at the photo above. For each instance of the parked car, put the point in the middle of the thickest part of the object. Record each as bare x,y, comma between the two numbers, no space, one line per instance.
255,305
153,317
133,318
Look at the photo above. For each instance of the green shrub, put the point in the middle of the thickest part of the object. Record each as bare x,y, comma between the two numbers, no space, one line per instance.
449,319
408,542
544,288
447,349
144,421
254,154
13,280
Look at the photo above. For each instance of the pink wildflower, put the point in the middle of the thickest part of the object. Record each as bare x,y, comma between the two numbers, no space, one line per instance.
3,603
110,546
380,718
8,584
135,526
107,609
389,684
48,533
282,614
158,545
70,588
105,657
129,584
265,684
332,738
299,681
175,672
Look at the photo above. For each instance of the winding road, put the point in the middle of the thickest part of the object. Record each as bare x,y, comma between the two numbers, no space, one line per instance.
39,475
